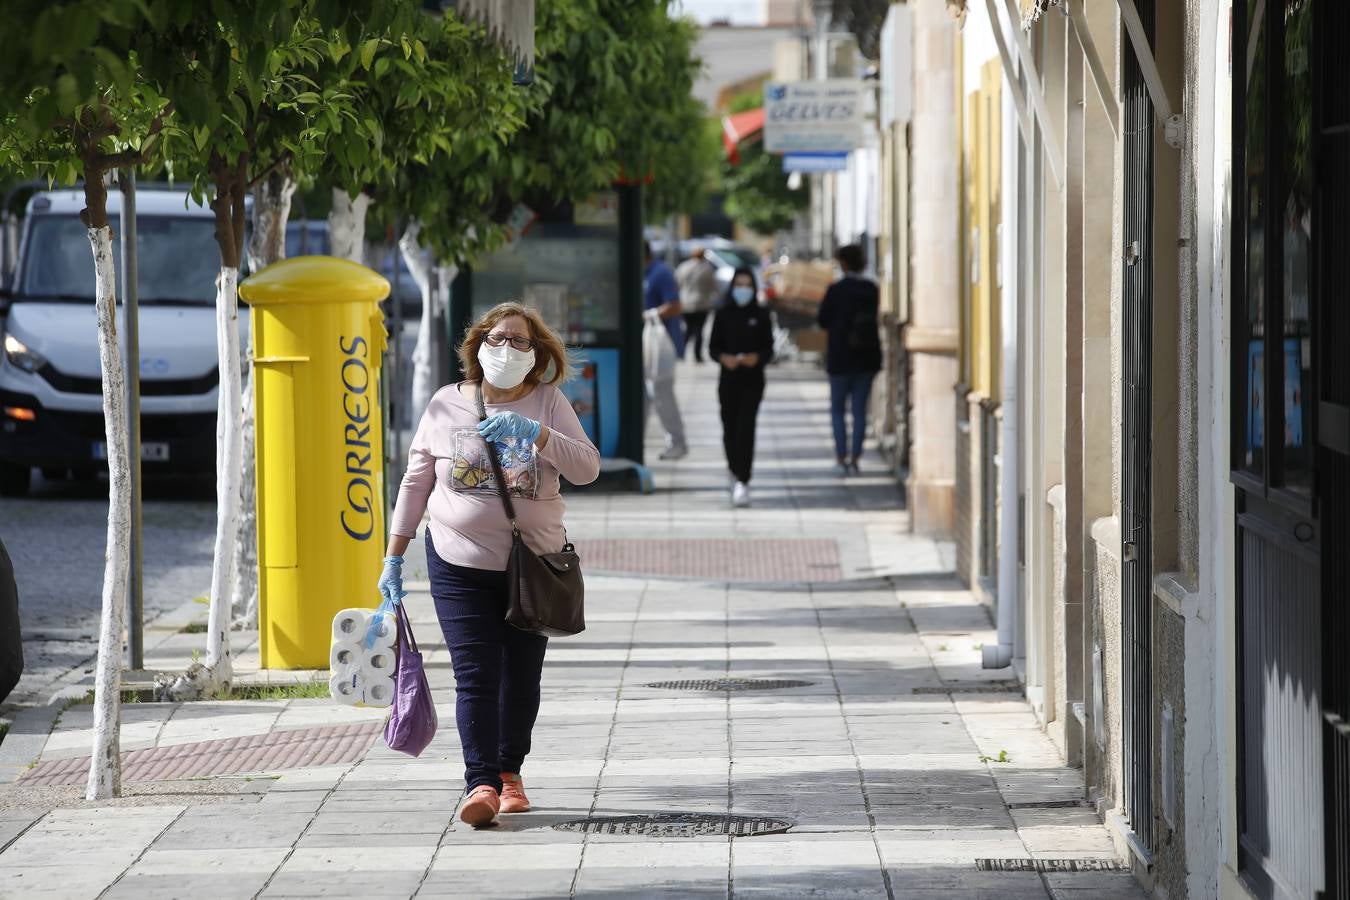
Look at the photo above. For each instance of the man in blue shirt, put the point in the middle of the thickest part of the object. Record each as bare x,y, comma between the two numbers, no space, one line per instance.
662,295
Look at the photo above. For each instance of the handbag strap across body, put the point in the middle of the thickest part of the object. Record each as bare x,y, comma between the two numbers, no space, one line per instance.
496,462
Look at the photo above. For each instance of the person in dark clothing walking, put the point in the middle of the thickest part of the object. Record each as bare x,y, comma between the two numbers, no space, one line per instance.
853,353
742,343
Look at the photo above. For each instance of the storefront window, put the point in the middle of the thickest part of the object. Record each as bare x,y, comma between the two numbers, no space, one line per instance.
1254,389
1296,220
569,271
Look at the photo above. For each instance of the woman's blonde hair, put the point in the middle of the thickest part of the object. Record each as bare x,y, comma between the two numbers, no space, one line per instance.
550,353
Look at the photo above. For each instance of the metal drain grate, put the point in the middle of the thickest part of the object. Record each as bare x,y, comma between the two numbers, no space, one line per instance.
729,684
677,825
970,687
1049,865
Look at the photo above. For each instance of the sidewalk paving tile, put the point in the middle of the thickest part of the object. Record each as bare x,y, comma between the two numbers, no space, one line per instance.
887,788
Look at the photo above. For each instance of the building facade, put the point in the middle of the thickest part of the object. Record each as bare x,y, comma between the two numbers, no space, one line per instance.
1123,260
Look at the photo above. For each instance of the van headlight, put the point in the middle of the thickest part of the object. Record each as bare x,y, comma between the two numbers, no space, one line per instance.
19,356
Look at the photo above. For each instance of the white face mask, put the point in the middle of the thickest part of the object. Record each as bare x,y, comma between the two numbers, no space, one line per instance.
505,367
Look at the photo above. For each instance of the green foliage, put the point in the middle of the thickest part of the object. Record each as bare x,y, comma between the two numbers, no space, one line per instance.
439,88
74,101
756,188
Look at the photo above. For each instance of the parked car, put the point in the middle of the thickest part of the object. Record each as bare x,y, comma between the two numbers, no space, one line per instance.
51,413
11,642
724,254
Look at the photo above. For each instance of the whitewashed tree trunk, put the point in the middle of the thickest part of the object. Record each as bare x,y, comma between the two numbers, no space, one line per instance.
347,225
105,768
229,458
419,264
271,212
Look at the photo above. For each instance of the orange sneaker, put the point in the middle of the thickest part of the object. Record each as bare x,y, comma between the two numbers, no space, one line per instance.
480,807
513,794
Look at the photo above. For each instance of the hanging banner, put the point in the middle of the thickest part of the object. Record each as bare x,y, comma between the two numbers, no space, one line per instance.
815,162
813,116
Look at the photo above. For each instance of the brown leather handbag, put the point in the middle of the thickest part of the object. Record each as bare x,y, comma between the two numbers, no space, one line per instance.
547,592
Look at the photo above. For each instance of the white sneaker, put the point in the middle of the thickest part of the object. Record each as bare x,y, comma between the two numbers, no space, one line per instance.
740,494
675,451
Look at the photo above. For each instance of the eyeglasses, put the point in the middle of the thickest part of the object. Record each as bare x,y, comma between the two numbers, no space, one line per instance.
497,339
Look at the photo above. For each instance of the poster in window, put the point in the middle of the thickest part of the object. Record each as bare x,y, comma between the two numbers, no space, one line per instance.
1256,397
1293,393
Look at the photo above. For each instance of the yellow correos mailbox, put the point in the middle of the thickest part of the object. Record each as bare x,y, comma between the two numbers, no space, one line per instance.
318,338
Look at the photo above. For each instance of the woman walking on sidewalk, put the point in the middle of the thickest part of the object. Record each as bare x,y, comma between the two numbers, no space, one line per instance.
516,361
742,342
853,352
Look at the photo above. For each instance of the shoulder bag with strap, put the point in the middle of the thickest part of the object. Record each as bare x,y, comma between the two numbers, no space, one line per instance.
547,593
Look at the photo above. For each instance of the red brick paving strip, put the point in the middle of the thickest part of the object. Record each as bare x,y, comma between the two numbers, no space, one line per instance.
719,559
270,752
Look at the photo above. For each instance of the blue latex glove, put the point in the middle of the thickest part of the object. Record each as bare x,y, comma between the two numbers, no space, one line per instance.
509,425
391,579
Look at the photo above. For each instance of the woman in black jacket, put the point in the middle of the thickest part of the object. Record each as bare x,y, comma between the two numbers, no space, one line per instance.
742,342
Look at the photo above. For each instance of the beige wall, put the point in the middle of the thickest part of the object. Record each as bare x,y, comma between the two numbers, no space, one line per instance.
931,337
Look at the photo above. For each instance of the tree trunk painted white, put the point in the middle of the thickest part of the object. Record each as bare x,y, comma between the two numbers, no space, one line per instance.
419,264
105,767
271,211
229,458
347,225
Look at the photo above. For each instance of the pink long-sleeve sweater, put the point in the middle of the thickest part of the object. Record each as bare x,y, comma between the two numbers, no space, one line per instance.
450,476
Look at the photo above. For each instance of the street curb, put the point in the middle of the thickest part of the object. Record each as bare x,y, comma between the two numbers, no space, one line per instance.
27,738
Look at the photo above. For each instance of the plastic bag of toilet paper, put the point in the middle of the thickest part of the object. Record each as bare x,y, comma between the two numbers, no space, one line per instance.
362,660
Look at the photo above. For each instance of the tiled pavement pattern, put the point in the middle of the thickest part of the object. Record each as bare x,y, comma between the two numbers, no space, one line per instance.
716,559
894,793
273,751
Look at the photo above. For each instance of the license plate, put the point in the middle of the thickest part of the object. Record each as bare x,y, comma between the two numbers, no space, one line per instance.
149,452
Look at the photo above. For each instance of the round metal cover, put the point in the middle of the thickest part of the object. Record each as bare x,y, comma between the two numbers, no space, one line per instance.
677,825
729,684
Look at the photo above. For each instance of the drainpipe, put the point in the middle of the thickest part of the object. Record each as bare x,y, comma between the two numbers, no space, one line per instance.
1000,655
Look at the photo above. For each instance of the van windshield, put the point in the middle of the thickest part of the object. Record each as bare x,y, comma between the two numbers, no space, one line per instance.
177,255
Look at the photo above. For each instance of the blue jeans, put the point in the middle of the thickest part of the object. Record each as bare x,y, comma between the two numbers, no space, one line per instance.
854,388
497,669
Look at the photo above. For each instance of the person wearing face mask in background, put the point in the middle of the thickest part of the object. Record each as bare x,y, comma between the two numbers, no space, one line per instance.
516,361
742,343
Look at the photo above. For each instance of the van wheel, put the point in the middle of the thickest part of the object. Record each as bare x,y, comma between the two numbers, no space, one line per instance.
14,479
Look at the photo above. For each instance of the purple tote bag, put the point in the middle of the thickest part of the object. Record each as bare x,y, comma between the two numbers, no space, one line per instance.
412,716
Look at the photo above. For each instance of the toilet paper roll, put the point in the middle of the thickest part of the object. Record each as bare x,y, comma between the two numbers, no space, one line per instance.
379,691
381,629
349,626
345,654
341,689
378,662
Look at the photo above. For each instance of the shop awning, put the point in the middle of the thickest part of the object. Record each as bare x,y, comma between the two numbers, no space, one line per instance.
739,127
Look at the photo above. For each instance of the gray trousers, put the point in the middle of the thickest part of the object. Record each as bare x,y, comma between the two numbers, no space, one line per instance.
661,395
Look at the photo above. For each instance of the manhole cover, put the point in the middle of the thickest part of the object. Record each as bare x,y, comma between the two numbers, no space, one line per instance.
969,687
729,684
675,825
1049,865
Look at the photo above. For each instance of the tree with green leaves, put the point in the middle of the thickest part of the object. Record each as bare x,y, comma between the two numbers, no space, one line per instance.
756,188
74,105
246,103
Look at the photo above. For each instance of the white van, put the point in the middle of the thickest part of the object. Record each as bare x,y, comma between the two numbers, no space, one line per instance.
51,413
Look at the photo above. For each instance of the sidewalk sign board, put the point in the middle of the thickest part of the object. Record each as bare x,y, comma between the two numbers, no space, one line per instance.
815,162
813,116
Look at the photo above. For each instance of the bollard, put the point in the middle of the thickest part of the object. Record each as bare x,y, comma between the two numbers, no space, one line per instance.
318,339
